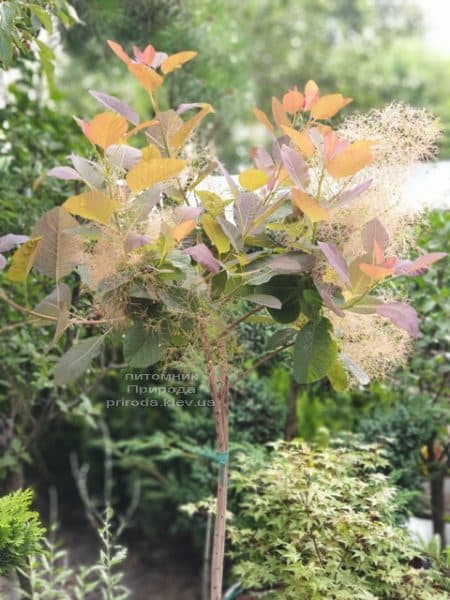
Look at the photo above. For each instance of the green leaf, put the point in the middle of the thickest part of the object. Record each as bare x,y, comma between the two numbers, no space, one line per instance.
6,48
280,338
338,377
141,348
314,352
74,363
42,15
55,305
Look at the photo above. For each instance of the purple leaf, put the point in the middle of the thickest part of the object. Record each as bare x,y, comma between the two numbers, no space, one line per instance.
417,266
188,106
2,262
374,232
186,213
265,300
11,240
159,58
328,299
123,156
402,315
89,171
135,240
117,106
350,195
231,183
291,262
63,173
296,166
231,231
263,161
203,255
247,208
336,260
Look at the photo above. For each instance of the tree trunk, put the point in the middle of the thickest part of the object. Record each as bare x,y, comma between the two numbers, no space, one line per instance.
217,368
438,504
218,553
218,557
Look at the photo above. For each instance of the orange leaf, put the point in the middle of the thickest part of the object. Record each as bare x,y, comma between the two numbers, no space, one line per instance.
301,139
146,76
327,106
262,118
279,114
107,128
183,229
176,60
311,94
119,51
293,101
378,252
309,206
354,158
141,126
374,271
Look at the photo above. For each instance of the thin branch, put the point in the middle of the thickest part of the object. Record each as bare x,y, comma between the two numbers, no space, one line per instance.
230,327
261,361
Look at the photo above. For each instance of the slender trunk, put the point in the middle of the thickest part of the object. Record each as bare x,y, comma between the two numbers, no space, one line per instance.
218,555
291,426
206,571
438,504
220,391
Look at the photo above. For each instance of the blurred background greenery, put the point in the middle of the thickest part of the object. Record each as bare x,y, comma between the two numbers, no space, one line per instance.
376,51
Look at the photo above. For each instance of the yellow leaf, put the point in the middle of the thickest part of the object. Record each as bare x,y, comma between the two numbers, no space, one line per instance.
183,229
146,76
107,128
23,259
327,106
149,172
354,158
374,271
308,205
252,179
213,202
301,139
176,60
92,205
150,152
177,139
262,118
215,233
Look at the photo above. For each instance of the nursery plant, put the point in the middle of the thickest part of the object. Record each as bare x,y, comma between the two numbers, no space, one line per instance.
20,530
320,523
306,238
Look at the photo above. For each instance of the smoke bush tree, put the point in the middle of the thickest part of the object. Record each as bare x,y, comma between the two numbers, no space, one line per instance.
297,237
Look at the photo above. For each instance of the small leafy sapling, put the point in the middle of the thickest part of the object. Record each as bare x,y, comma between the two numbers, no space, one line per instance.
164,260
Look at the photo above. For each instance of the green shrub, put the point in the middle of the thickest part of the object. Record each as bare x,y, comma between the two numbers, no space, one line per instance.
320,524
20,530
